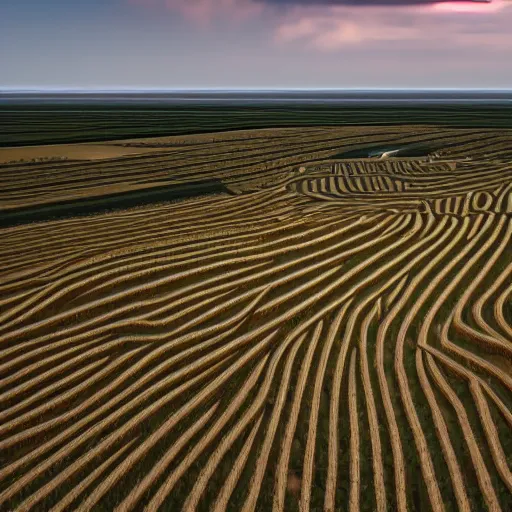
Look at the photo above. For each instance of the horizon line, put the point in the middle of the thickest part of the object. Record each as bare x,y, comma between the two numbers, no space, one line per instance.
21,90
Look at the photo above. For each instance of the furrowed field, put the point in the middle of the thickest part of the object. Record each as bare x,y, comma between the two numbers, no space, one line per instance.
260,320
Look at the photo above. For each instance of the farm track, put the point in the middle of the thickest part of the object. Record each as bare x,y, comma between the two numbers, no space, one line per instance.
334,335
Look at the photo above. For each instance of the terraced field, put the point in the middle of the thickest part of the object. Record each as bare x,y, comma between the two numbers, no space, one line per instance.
323,334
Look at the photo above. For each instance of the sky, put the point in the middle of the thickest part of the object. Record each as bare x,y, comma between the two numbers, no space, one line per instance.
255,44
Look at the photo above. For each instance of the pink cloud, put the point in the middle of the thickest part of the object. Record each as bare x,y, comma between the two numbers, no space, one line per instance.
335,30
332,28
470,7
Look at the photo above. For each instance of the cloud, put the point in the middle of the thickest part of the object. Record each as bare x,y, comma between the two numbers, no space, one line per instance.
205,11
331,34
469,7
373,3
330,25
426,26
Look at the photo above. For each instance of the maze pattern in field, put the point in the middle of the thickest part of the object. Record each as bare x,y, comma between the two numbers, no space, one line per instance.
243,160
338,339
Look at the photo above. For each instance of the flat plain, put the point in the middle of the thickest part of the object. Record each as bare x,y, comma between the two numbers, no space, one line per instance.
309,318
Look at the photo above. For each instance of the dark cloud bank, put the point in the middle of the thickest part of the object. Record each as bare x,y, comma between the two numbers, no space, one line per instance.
364,2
